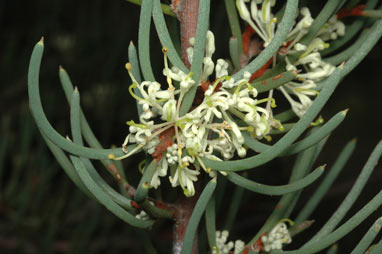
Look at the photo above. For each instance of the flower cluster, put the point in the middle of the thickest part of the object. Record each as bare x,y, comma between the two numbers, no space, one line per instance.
278,236
222,247
208,130
261,19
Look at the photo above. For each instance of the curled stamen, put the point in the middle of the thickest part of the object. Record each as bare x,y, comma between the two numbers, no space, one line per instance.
140,165
131,87
250,87
272,100
291,222
252,106
319,121
139,125
215,84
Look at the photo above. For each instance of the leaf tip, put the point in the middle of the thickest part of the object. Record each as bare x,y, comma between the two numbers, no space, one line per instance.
41,41
344,112
131,45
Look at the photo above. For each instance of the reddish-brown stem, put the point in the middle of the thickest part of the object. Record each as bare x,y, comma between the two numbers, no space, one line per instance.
187,14
184,207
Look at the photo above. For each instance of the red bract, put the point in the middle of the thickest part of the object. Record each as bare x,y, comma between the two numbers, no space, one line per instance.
356,11
258,245
166,140
261,71
246,37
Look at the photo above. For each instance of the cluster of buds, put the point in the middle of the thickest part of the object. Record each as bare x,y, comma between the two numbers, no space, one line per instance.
278,236
208,130
311,67
273,240
224,247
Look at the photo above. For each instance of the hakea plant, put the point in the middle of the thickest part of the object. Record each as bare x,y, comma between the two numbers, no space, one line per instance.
210,116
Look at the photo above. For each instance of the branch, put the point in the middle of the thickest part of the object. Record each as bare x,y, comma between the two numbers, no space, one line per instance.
187,13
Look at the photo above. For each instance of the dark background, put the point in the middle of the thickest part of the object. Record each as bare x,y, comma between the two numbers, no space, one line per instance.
41,211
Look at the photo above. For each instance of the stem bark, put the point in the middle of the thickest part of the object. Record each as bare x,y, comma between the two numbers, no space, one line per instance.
187,14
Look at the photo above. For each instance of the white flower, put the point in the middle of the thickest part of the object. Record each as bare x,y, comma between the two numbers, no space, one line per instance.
243,11
262,127
261,20
266,14
150,146
153,92
210,44
169,111
221,68
186,83
178,141
208,68
160,171
299,47
301,28
239,247
278,236
185,177
221,239
301,107
224,248
315,70
332,29
142,216
190,54
185,80
172,154
174,73
322,71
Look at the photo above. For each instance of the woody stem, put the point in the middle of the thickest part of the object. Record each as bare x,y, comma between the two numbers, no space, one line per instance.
187,14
